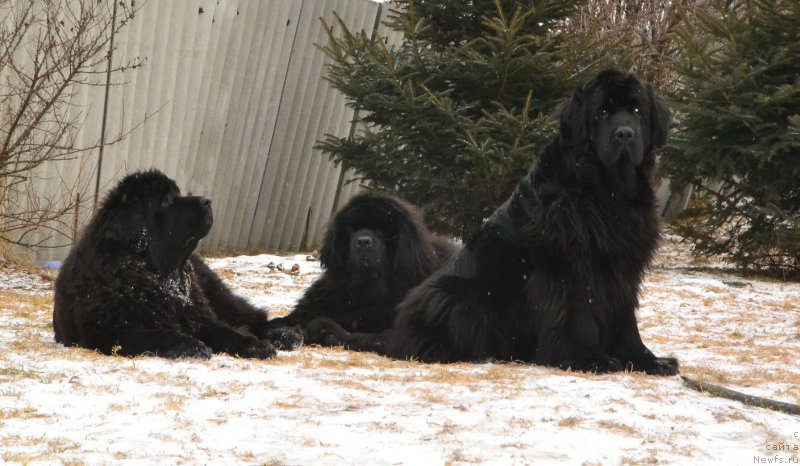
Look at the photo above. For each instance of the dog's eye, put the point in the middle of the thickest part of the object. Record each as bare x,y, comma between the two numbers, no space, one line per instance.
636,110
603,113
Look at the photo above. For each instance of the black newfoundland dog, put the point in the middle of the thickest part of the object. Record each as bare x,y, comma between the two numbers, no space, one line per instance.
130,285
376,248
553,276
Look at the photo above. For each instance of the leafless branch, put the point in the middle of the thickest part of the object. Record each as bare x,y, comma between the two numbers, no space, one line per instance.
50,51
639,30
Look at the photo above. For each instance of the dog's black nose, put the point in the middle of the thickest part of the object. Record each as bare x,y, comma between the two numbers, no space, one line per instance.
364,242
624,133
205,202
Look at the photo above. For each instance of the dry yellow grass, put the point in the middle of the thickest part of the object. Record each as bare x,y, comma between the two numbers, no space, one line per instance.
12,374
25,304
20,258
173,402
626,461
619,427
384,427
285,404
459,457
572,421
24,413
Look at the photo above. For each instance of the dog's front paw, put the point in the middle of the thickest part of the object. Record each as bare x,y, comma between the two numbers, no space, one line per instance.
286,338
257,350
600,365
661,366
189,348
325,332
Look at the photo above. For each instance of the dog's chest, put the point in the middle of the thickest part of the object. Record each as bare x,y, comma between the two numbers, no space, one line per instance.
162,299
176,290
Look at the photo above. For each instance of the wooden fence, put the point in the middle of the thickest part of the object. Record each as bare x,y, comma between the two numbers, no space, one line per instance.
230,101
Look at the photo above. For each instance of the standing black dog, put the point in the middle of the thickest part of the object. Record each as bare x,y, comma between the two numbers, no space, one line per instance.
130,285
376,248
553,276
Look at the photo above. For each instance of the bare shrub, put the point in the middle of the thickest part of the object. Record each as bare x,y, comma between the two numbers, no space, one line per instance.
50,51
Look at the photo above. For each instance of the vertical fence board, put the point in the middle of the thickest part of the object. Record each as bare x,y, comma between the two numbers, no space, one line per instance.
309,109
250,128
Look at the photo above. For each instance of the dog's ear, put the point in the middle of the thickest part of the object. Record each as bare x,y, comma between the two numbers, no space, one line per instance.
408,254
659,118
331,254
573,120
125,222
412,246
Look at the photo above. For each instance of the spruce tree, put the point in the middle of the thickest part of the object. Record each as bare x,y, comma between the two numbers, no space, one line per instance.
452,117
737,137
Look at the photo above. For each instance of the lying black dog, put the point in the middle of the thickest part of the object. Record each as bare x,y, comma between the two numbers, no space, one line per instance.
376,248
130,285
553,276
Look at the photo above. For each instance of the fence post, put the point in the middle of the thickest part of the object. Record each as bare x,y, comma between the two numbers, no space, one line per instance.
105,104
340,183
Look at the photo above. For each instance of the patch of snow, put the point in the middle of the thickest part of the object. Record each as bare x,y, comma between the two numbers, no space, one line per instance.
10,279
330,406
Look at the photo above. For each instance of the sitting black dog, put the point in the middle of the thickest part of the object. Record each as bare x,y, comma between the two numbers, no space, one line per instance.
553,276
130,285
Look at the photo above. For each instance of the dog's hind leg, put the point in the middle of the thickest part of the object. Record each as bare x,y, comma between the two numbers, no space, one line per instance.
445,320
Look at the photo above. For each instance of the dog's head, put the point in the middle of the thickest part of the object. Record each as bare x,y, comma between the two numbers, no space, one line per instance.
375,235
619,119
145,215
368,252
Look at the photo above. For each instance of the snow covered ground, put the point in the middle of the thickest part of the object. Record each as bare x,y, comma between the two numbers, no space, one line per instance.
328,406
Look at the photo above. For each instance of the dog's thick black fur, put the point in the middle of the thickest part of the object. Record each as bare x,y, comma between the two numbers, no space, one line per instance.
375,249
553,276
130,285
